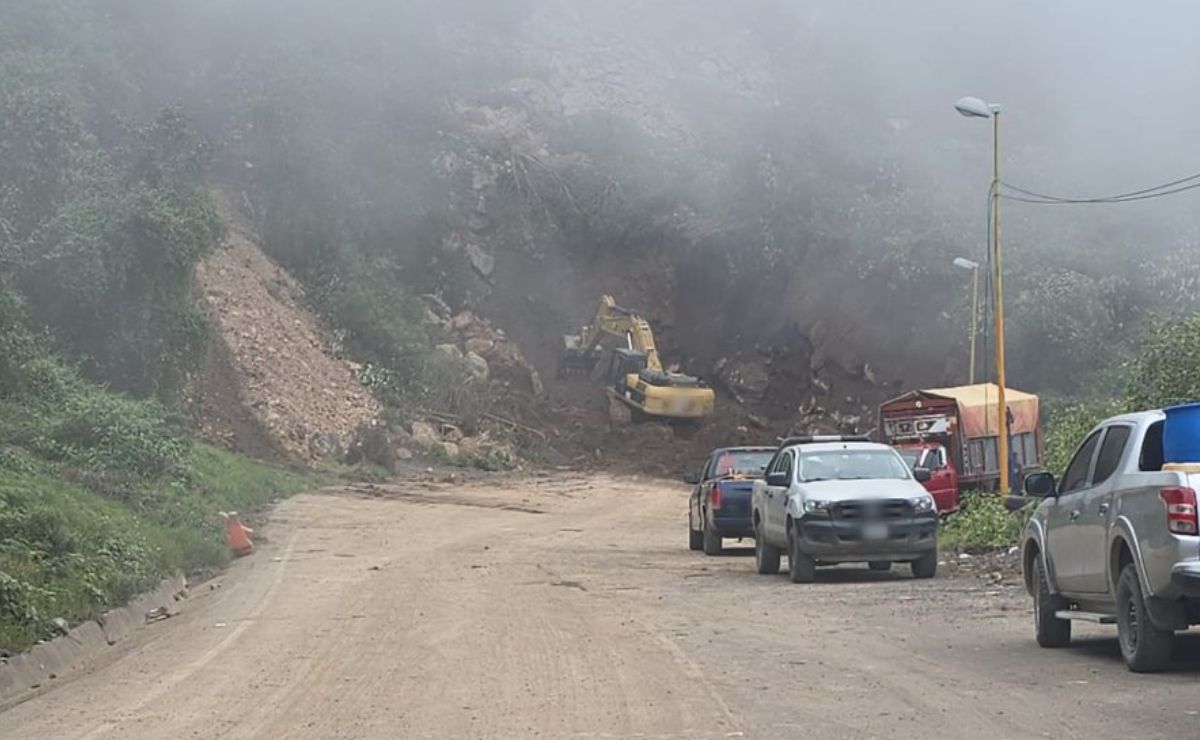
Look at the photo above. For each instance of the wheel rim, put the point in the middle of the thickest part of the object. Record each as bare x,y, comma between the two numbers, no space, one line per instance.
1131,618
1037,602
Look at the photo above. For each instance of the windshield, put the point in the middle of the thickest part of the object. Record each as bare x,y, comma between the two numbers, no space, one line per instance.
909,457
851,465
743,462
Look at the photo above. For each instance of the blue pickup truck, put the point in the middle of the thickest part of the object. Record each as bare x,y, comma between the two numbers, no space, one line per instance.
720,503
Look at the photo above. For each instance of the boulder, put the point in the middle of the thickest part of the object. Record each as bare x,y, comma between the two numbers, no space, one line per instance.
478,366
432,318
483,262
462,321
449,350
479,345
373,444
424,435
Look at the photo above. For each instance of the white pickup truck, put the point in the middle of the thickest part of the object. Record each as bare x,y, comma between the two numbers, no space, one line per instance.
829,500
1117,541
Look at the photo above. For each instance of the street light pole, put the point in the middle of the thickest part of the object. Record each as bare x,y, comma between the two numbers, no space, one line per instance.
973,266
998,278
976,108
974,319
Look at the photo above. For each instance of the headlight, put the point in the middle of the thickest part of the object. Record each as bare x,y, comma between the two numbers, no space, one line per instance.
813,504
921,504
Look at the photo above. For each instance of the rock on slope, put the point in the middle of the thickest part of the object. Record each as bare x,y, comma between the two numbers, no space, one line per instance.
307,402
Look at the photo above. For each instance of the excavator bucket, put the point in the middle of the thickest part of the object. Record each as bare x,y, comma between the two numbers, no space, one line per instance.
576,359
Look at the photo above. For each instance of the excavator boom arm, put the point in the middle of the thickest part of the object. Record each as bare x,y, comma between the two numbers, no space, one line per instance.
621,322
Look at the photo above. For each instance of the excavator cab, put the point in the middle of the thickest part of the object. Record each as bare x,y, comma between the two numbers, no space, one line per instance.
623,363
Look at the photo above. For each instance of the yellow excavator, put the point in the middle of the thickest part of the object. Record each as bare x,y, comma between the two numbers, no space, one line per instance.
637,385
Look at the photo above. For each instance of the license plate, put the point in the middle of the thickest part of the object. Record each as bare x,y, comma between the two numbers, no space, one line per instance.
875,532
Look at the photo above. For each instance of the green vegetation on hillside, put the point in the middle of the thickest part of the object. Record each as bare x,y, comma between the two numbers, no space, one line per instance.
102,495
1165,371
103,213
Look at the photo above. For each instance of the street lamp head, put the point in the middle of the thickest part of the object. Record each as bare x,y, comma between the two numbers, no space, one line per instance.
965,263
975,108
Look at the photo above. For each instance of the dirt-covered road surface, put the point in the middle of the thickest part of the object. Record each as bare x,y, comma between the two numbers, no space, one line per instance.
568,606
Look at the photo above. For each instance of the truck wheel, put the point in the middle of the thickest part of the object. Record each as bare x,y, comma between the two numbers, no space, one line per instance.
1051,631
695,536
712,540
925,566
766,557
1146,648
881,566
801,567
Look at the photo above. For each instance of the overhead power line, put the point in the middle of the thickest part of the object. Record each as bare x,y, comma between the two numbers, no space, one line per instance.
1181,185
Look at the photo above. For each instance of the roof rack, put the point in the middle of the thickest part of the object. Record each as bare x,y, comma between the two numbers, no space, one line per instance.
817,438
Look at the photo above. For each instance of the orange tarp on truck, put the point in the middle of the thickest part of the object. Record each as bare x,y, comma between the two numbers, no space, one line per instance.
978,404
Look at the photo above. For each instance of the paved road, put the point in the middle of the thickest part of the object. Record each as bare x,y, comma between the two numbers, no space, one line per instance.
569,607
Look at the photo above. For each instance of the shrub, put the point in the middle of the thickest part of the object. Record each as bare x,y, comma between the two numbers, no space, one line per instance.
983,524
110,433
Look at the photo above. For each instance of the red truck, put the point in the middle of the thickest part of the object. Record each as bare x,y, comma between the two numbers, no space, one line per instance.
953,432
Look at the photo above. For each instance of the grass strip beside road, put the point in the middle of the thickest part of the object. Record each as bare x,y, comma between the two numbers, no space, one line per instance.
74,542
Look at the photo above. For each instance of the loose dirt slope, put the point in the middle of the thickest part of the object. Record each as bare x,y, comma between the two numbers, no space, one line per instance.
272,375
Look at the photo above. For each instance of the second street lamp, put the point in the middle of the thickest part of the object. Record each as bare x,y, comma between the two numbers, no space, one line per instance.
973,266
976,108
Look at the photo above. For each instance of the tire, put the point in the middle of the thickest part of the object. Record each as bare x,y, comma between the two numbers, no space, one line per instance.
1146,648
881,566
801,567
695,536
925,566
712,540
766,557
1051,631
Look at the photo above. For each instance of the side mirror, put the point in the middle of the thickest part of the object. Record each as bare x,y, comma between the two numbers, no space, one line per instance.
922,474
776,479
691,479
1040,485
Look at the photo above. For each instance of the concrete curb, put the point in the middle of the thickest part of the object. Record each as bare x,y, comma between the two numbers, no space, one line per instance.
23,675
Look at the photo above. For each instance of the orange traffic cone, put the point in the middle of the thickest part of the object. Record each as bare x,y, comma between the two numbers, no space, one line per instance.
237,535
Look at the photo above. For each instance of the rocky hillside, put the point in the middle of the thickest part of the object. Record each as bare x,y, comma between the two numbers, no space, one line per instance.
603,165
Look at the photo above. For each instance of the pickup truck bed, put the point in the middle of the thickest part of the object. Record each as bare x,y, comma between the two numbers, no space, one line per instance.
732,519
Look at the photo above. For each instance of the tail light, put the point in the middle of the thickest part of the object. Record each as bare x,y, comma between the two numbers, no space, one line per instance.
1181,510
714,496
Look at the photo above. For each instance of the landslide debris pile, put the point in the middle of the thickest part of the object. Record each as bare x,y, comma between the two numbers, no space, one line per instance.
488,352
272,350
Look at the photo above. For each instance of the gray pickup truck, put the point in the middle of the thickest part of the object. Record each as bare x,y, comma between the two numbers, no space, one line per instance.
1116,541
830,500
